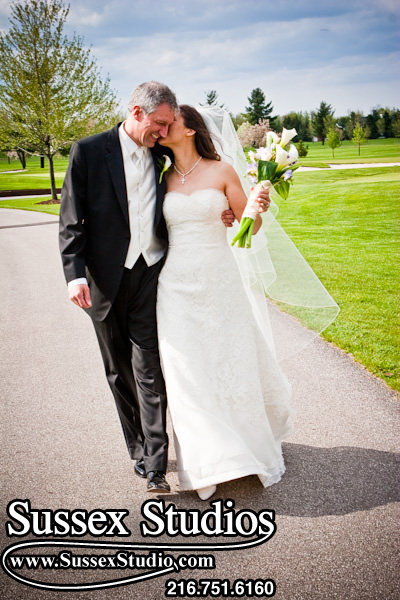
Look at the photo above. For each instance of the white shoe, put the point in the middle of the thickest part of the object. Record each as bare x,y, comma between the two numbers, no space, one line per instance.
206,492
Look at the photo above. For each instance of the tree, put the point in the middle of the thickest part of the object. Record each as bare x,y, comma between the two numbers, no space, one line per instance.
359,136
253,135
333,140
321,120
257,110
276,123
301,123
211,99
348,123
238,119
386,122
372,123
10,139
50,86
396,124
302,149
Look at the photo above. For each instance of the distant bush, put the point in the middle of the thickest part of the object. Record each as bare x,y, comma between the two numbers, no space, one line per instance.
254,135
302,149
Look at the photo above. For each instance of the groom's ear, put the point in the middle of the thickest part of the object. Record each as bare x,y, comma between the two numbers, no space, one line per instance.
137,112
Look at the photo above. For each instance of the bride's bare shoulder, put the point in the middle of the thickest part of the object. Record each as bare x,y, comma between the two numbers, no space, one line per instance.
223,168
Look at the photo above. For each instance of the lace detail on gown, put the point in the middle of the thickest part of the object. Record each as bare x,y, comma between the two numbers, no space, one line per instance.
228,399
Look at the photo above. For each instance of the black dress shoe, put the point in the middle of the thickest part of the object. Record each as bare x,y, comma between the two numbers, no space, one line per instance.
156,482
139,468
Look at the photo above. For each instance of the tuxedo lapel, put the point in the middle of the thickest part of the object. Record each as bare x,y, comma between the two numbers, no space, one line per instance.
115,165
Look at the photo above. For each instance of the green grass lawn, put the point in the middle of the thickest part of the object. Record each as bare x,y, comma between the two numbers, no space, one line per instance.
347,226
381,150
31,204
33,165
33,177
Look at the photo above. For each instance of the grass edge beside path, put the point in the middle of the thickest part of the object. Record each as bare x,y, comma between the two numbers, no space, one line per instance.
31,204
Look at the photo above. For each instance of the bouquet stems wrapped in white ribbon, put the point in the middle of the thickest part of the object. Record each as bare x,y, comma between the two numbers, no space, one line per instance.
271,168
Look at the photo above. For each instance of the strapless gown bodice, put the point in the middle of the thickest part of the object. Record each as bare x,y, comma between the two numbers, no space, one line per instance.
194,219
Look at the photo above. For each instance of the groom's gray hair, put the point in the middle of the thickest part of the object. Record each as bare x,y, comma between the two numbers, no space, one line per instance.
150,95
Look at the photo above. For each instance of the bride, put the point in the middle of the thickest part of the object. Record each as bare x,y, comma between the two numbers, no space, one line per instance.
228,399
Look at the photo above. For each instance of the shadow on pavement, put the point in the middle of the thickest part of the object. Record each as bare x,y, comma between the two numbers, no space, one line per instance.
318,482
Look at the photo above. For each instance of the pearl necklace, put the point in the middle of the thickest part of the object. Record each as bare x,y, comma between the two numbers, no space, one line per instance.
183,175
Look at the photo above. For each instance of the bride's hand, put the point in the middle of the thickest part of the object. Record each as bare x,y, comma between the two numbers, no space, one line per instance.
228,218
259,195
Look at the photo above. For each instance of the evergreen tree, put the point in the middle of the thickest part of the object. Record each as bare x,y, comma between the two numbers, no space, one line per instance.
396,124
386,121
301,123
321,120
372,123
302,149
258,110
211,99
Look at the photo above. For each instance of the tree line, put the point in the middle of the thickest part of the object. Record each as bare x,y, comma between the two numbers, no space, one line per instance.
380,122
52,93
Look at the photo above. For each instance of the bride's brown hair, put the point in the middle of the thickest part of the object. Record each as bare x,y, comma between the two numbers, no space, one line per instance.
193,120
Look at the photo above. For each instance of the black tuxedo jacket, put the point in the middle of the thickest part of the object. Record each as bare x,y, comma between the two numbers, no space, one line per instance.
94,221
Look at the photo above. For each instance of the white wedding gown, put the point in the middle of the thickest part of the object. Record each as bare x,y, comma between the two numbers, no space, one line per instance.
228,399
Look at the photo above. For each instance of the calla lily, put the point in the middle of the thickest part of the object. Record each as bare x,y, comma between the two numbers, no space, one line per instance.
272,138
294,153
283,157
286,157
287,135
165,166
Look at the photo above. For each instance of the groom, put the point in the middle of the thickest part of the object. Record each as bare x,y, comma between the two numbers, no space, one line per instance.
112,241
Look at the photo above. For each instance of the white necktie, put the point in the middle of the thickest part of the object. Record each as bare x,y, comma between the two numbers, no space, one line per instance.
138,158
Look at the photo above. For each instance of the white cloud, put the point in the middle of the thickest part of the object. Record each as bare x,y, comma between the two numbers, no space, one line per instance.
299,53
296,64
82,15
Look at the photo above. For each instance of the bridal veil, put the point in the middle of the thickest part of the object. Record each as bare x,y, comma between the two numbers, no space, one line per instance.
298,307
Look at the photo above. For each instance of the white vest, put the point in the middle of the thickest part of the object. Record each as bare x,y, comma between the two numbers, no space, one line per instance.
141,192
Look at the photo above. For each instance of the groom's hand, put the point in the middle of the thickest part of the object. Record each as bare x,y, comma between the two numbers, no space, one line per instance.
228,218
80,295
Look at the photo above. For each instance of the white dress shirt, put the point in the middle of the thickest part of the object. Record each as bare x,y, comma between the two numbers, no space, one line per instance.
141,193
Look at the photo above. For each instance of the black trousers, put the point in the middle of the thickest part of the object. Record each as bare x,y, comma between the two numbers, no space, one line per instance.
129,347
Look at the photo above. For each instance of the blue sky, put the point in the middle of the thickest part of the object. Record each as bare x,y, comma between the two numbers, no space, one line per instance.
298,52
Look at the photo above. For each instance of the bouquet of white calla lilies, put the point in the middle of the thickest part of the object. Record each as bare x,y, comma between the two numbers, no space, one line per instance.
272,168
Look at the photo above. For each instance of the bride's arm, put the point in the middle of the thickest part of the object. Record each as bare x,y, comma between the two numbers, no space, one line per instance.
237,198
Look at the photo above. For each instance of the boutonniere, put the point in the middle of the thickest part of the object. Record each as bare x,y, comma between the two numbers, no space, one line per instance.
164,163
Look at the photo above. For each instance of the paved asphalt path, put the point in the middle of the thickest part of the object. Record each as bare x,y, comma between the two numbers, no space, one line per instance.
61,447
